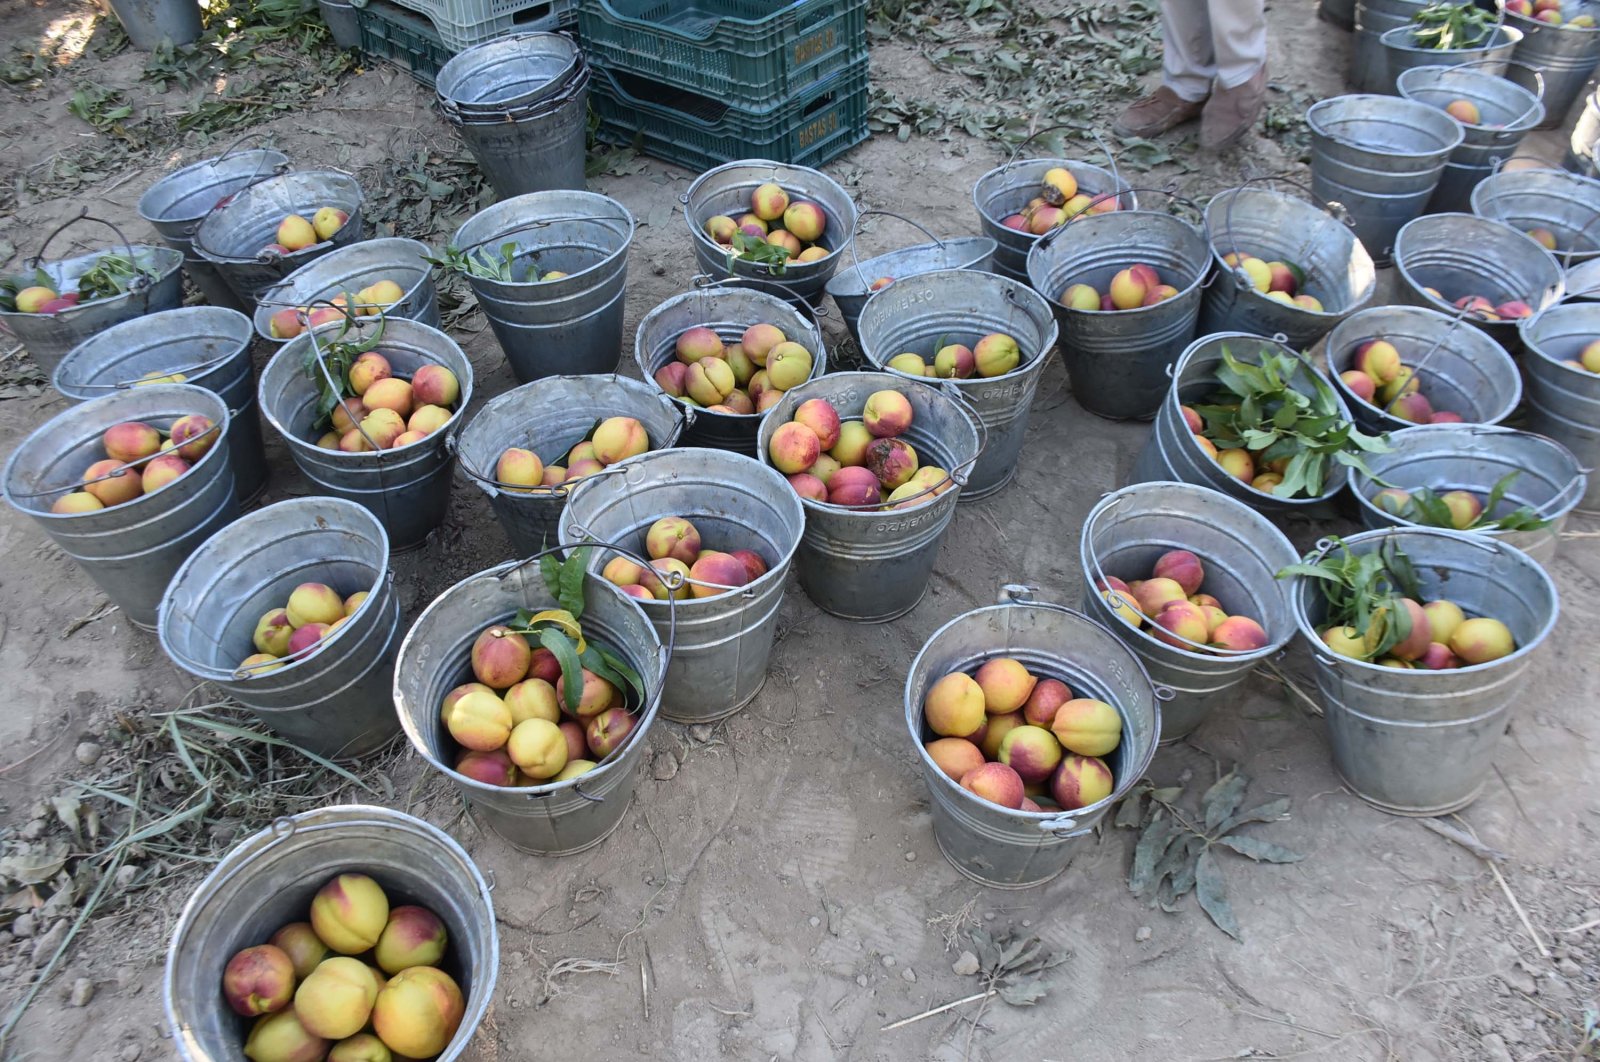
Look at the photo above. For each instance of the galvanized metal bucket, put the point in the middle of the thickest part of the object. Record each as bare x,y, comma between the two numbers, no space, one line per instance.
534,147
720,652
176,204
726,189
268,880
233,237
1171,454
1369,63
922,313
407,487
862,563
508,73
851,286
1119,360
207,346
726,309
1563,398
1565,55
349,270
335,701
1506,112
549,417
1564,203
151,23
993,845
48,336
570,326
1583,281
1401,53
1462,254
1474,457
1459,368
1381,158
555,818
1242,552
1006,189
1417,742
129,550
1275,226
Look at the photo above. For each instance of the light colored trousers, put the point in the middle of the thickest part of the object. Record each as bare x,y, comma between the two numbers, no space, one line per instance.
1221,42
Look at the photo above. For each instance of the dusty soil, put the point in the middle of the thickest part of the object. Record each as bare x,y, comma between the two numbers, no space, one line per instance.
776,877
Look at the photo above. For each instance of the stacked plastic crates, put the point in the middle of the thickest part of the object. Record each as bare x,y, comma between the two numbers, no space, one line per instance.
709,81
421,35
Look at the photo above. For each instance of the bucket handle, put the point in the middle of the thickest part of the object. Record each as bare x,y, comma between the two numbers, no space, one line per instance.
560,490
702,281
123,385
1566,256
1333,209
139,282
855,230
1111,159
1023,594
121,470
1045,240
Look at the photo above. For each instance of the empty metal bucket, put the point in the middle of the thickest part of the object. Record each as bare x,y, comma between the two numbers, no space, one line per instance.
1369,63
1562,202
534,147
1171,454
1242,553
406,487
1506,112
1461,254
726,190
866,564
1474,457
129,550
1459,368
516,71
1417,742
207,346
1381,158
922,313
1564,56
234,237
268,880
1564,398
1118,360
727,310
720,652
549,417
569,326
335,701
150,24
176,204
851,286
555,818
1401,53
1273,226
993,845
348,270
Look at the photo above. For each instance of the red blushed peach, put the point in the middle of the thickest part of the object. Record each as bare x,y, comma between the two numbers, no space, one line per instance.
1111,582
1359,384
1238,464
1414,408
305,639
1015,221
130,441
367,370
1178,620
1465,507
754,566
671,378
417,1013
413,937
1152,594
280,1037
1087,727
893,461
1031,751
737,401
794,448
435,385
1080,781
577,739
1445,416
1421,635
480,721
806,220
697,344
609,731
301,943
886,414
954,361
809,486
349,913
672,537
1006,685
593,698
997,783
393,393
1183,568
500,657
758,341
542,664
955,756
723,571
996,354
490,768
1240,633
120,485
258,980
1192,419
618,438
1215,617
954,706
819,415
1048,695
854,486
162,470
1379,360
622,571
1203,600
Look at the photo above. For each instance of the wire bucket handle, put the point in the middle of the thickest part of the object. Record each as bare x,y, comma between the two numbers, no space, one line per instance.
1111,158
730,282
84,215
855,230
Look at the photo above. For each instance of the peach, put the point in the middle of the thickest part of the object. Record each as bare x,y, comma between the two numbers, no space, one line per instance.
759,340
1047,697
594,697
1080,297
1191,418
619,438
1006,684
1080,781
1544,238
609,731
934,478
851,449
954,706
1238,464
1444,416
518,471
954,756
301,944
336,1000
1480,640
417,1013
880,283
787,240
326,222
480,721
824,467
1042,219
1031,751
768,399
406,438
576,737
737,402
533,698
754,566
1206,445
414,936
1513,310
538,748
1087,727
1443,619
349,912
575,769
1183,568
674,537
1346,641
362,1047
1153,594
738,361
794,448
893,461
622,571
368,369
954,361
788,366
671,377
1128,290
697,344
272,632
392,393
996,354
886,414
1160,293
1177,621
305,639
819,415
1281,278
1239,633
1122,603
281,1037
1414,408
1465,508
258,980
1111,582
79,501
752,226
1259,273
380,429
161,471
1380,360
655,582
490,768
1359,384
428,419
809,486
806,220
724,570
33,299
1392,500
853,485
296,233
721,229
579,469
994,732
1308,302
1437,657
1015,221
708,381
130,441
500,657
435,385
314,603
347,413
768,202
193,436
1589,357
997,783
1405,382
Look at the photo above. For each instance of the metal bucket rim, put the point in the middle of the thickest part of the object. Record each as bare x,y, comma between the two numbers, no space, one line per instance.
339,177
1532,113
1512,36
1321,108
209,163
160,252
1526,326
1119,185
835,288
79,352
1551,292
264,298
797,271
559,287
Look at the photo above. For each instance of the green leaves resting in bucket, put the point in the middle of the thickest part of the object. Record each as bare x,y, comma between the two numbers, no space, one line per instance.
1364,592
1448,27
1424,506
749,248
111,275
337,355
1261,412
480,263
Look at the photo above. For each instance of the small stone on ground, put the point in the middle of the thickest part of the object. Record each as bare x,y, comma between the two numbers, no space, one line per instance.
965,966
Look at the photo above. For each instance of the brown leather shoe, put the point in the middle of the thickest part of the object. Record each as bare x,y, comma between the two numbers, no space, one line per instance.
1149,115
1230,113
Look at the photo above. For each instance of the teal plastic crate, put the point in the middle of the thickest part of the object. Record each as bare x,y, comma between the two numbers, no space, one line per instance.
698,132
404,38
749,53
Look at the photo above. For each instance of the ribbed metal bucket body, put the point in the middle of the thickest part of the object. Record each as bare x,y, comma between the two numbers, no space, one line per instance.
1563,397
850,286
1564,203
349,270
1506,112
1564,56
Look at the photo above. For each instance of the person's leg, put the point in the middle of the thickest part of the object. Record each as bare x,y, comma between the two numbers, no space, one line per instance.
1187,72
1239,43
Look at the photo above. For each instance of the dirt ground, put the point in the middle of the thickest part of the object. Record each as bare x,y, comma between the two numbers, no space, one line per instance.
776,876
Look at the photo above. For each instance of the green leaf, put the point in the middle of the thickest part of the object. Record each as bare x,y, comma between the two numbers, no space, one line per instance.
1223,798
1426,507
1497,493
1259,850
573,573
1213,894
1271,811
566,655
550,570
1131,813
1158,836
621,667
1167,795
